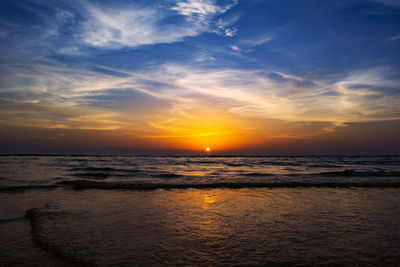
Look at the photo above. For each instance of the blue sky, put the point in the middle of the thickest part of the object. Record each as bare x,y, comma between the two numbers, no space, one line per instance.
159,69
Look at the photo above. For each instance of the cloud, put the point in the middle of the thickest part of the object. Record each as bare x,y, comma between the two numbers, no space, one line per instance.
222,27
369,78
230,32
394,37
68,28
132,27
235,48
38,26
293,98
202,7
196,7
258,41
55,95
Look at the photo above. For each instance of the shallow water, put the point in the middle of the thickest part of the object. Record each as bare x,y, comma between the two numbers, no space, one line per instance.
43,222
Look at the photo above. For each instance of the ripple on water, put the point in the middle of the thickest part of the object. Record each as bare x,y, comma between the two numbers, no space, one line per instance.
222,227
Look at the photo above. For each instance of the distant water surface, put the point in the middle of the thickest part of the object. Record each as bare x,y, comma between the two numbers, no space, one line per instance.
195,171
196,210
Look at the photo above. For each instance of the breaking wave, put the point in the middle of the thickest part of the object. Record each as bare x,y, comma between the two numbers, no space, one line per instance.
86,184
151,172
40,236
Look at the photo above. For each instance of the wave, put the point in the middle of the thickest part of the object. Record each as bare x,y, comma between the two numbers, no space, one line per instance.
87,184
215,162
21,188
84,184
92,175
323,166
258,174
81,160
36,217
102,172
354,173
383,161
283,163
167,175
201,162
94,169
231,164
103,169
12,220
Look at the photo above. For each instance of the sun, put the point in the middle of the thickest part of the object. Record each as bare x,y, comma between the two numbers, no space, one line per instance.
208,149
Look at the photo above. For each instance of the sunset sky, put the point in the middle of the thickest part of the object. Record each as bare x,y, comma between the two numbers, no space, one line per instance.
239,76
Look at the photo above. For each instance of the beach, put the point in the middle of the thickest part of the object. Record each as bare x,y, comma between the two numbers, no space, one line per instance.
45,222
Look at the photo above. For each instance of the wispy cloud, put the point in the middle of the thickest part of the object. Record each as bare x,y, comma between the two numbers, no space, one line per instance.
258,40
254,94
363,95
396,37
198,7
132,27
230,32
367,78
54,96
67,28
224,25
235,48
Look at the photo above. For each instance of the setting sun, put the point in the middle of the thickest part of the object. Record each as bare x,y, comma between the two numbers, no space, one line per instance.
208,149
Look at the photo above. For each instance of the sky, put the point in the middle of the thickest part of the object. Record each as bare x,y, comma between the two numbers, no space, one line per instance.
266,77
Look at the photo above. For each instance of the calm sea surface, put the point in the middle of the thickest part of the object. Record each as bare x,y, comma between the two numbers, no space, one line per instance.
198,210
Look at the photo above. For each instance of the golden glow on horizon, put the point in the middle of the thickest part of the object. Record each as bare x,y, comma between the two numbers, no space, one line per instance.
203,128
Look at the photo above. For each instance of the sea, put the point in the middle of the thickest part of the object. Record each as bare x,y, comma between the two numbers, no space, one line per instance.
199,210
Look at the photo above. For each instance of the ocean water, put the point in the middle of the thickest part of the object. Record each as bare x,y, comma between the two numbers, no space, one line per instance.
60,210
